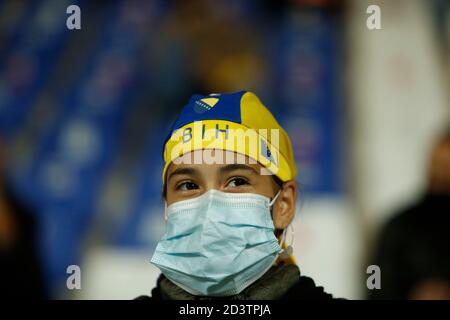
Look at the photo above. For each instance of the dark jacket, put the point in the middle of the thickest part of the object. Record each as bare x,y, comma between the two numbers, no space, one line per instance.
21,274
414,246
281,282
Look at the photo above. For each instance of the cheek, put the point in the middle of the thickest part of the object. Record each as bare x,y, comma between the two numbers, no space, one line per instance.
265,187
171,197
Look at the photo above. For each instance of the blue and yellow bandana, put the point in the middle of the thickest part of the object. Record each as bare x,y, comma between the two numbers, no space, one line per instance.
236,122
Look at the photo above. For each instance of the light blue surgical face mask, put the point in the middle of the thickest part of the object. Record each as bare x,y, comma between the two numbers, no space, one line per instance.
218,243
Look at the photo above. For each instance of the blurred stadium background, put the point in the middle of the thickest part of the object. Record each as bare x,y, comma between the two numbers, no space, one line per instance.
83,114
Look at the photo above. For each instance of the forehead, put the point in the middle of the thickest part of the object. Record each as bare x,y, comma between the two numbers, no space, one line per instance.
212,159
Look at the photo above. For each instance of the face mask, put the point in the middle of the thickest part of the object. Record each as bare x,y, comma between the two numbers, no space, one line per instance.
218,243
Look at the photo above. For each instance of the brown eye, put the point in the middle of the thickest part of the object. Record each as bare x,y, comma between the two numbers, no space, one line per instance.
237,182
186,186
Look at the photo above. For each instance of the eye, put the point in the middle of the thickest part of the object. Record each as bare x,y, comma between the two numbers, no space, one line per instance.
186,186
237,182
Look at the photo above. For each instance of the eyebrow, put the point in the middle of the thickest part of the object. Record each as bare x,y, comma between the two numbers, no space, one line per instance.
223,170
184,171
233,167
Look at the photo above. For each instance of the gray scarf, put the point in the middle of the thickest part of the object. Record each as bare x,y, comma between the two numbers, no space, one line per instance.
271,286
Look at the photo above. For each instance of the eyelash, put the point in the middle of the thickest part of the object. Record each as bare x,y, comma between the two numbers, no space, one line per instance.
246,182
184,183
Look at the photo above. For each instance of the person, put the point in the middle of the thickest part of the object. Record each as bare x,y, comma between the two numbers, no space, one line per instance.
413,250
22,275
230,193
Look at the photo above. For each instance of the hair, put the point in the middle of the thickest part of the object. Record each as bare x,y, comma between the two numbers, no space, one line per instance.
277,181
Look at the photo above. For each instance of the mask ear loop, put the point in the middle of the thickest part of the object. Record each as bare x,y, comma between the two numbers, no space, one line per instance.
286,253
165,211
274,198
270,204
